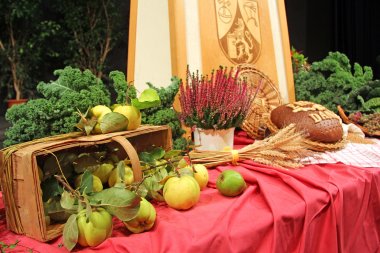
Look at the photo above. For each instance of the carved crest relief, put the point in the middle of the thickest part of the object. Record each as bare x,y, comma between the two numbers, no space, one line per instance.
239,29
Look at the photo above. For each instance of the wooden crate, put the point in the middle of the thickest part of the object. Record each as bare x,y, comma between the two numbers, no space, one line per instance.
21,184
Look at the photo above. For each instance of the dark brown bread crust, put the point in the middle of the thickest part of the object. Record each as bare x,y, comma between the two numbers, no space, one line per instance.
321,124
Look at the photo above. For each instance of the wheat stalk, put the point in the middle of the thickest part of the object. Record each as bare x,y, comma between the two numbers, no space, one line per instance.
282,150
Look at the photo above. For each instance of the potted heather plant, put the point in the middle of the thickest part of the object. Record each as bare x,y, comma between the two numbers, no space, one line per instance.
214,106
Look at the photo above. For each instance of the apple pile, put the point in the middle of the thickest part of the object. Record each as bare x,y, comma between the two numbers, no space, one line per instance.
97,186
102,119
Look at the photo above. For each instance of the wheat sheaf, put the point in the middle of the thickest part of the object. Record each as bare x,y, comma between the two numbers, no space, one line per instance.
285,149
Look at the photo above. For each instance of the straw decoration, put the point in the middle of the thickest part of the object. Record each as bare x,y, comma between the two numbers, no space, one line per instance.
282,150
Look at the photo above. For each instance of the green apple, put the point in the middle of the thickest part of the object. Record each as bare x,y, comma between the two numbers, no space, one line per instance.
230,183
103,172
145,218
115,178
132,113
96,229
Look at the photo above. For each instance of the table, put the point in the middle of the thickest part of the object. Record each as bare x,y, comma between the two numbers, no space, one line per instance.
319,208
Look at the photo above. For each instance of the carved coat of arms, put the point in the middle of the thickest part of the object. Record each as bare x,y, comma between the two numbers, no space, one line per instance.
239,29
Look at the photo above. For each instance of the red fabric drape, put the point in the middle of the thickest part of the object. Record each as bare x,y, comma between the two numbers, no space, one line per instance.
319,208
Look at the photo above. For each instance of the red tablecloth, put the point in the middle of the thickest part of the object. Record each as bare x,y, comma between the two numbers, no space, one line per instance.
319,208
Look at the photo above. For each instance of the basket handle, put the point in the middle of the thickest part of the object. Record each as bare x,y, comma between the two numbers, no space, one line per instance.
131,151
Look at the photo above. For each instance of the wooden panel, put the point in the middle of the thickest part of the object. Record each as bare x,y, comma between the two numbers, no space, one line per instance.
259,48
236,32
132,40
286,45
177,37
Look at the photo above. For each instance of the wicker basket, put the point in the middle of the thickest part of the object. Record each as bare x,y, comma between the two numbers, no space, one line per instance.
346,120
21,184
267,98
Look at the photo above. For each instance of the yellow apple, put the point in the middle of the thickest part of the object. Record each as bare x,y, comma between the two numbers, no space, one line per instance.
114,106
114,177
103,172
181,193
94,230
99,111
97,185
132,113
145,218
201,175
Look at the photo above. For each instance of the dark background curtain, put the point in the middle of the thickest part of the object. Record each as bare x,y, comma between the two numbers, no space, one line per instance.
349,26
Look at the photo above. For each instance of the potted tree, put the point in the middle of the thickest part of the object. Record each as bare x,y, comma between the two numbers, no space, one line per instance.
22,30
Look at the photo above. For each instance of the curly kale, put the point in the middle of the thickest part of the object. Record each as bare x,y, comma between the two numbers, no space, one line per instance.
372,104
124,91
56,113
166,94
358,99
165,114
329,82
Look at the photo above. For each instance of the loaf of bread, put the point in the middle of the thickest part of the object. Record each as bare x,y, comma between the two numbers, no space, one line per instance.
319,123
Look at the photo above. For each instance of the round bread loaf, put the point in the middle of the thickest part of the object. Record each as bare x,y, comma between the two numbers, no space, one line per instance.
321,124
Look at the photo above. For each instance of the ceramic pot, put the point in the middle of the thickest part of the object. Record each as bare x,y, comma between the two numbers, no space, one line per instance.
12,102
213,140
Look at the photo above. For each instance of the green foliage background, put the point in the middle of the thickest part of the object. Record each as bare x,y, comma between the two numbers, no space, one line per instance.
334,81
50,35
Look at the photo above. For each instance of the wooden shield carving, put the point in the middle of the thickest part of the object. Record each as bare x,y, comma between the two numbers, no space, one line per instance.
238,27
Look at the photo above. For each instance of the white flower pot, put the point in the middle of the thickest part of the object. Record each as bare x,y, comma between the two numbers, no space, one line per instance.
213,140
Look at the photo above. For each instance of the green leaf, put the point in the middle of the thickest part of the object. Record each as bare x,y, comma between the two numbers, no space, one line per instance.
70,232
119,202
67,200
172,153
86,126
86,182
151,156
157,153
121,170
157,196
148,98
88,212
142,191
149,95
152,184
146,157
50,188
113,122
85,161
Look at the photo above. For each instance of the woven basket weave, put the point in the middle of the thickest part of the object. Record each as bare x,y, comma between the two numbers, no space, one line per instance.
267,98
20,180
